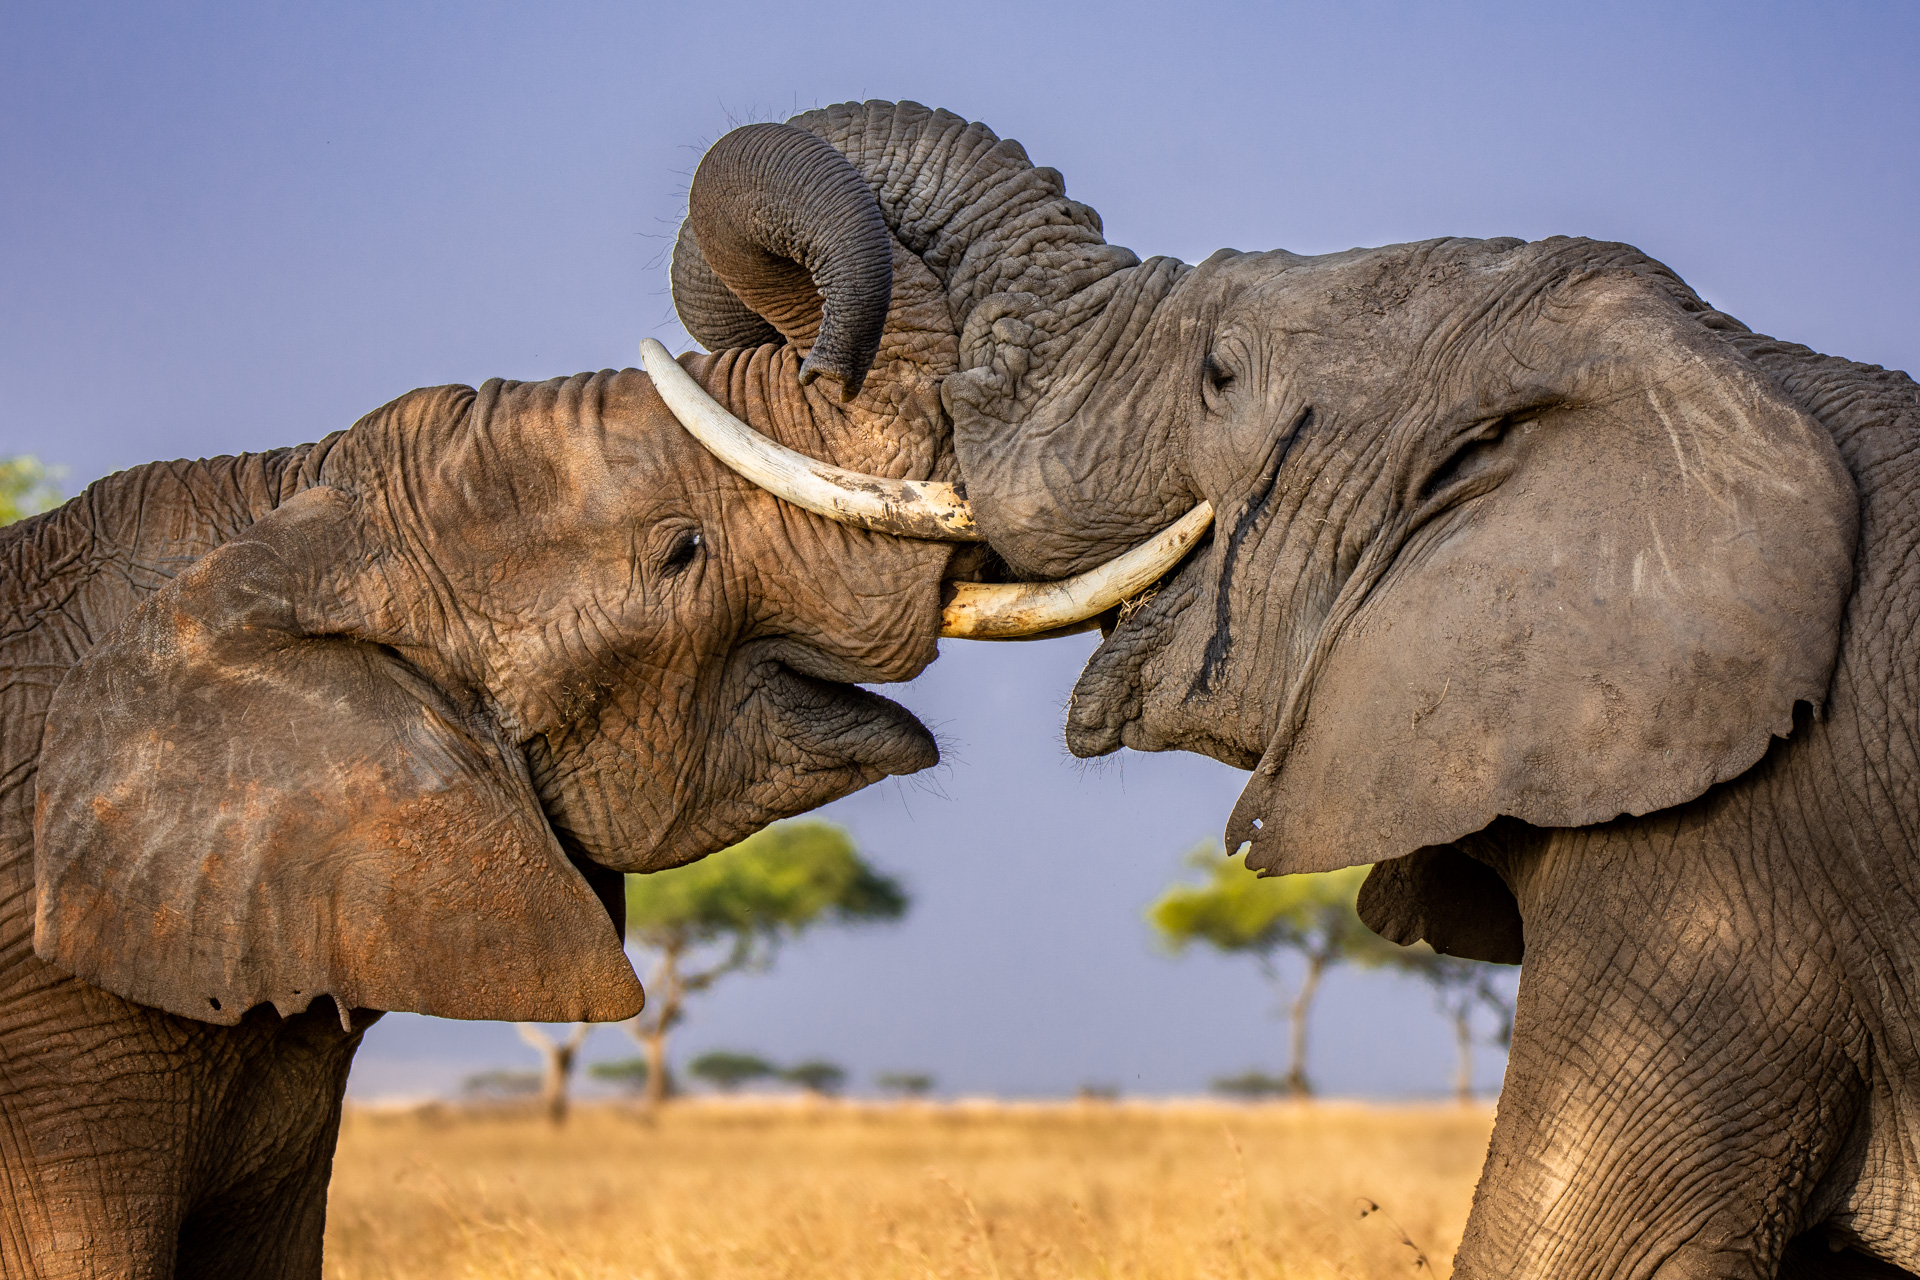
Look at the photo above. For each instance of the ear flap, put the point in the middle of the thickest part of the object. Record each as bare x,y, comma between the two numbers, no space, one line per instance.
1651,575
233,811
1460,907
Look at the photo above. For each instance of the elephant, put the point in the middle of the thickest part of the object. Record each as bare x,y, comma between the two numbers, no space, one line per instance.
1581,612
380,723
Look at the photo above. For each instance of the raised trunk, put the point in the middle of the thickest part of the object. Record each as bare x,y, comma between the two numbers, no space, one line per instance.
1020,268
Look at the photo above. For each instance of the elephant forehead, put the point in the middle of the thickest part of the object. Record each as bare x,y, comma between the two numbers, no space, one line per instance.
1332,291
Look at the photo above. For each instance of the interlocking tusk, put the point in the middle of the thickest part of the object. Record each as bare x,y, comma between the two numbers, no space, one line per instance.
1014,610
927,509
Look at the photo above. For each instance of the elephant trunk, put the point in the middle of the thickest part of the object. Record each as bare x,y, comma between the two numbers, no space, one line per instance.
782,235
983,217
969,204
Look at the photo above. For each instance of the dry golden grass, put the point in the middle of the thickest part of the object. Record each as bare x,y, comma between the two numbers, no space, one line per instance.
716,1191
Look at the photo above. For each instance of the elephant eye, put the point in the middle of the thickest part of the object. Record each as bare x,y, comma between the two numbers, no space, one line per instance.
681,554
1218,376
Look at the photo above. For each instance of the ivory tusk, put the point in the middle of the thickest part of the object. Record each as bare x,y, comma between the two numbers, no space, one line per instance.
927,509
1014,610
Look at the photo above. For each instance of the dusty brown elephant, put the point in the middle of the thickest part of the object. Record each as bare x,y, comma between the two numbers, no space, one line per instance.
378,723
1583,612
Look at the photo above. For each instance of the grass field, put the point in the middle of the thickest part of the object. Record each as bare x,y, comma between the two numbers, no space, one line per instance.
714,1191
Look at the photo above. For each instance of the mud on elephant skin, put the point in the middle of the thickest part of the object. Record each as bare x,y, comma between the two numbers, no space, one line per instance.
1581,610
378,723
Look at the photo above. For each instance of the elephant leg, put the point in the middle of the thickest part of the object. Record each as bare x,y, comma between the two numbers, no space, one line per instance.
264,1217
268,1230
94,1237
1687,1062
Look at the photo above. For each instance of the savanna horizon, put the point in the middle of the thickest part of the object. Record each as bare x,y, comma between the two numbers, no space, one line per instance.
718,1188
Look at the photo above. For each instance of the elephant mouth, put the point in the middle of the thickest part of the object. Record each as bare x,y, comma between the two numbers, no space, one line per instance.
1108,708
827,715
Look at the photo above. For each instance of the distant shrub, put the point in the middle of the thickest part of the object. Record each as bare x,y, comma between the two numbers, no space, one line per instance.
816,1076
628,1073
1097,1091
501,1084
1253,1084
727,1071
911,1084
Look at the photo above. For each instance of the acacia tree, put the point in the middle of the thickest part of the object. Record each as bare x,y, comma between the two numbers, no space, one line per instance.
560,1055
1240,912
1460,987
735,909
26,488
726,1070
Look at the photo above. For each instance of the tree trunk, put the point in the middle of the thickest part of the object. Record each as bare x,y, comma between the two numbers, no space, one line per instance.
654,1041
1297,1084
560,1056
1463,1038
665,993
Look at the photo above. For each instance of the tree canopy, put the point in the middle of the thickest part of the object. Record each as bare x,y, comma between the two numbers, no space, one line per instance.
727,1070
774,885
1236,909
26,488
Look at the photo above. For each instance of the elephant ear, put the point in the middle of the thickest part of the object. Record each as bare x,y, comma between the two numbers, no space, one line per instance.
235,809
1613,580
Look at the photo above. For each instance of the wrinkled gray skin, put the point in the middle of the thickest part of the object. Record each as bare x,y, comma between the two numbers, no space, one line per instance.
376,724
1582,611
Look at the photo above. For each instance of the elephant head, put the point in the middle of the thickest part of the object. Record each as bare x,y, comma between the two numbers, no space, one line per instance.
1504,529
395,741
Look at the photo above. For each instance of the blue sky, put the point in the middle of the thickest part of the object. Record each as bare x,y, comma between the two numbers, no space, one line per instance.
228,227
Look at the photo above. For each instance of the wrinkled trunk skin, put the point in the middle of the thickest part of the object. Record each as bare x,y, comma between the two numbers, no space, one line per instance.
1714,1069
1032,288
132,1143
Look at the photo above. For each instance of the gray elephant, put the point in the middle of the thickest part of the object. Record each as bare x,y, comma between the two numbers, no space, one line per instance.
1581,611
378,724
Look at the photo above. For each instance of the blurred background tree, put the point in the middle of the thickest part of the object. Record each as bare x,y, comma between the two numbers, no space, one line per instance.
557,1078
496,1085
27,487
1239,912
906,1084
735,909
1460,988
1251,1085
629,1074
727,1071
817,1076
